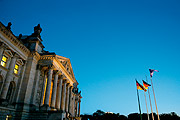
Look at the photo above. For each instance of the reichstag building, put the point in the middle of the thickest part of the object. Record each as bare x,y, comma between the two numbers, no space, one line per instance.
34,83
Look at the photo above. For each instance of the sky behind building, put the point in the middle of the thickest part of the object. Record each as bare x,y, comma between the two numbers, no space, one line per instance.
110,43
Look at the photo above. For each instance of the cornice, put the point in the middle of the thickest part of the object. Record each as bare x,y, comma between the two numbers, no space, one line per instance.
47,57
13,39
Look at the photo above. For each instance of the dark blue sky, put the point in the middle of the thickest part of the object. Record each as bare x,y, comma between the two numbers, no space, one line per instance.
110,43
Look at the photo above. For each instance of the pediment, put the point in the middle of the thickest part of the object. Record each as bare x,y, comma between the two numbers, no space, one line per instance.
20,61
9,53
66,64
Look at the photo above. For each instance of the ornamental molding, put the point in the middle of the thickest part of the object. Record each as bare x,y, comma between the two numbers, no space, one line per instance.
47,57
20,61
8,52
8,34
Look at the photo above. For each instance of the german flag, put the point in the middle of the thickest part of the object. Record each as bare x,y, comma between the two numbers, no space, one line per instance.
140,87
146,85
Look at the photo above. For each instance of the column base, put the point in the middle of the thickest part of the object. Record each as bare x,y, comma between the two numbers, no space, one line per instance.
63,115
3,102
45,108
53,109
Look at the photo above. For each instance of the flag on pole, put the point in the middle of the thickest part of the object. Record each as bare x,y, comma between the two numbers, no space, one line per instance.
140,87
152,71
146,85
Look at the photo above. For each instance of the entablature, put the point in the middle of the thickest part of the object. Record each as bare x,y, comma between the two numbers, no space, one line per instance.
7,37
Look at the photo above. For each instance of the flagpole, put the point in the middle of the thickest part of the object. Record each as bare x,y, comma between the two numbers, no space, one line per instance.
139,104
146,105
154,98
150,102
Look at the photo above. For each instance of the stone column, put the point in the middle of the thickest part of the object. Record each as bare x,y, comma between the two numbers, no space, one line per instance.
53,98
79,107
76,106
67,98
63,97
59,93
73,105
43,88
20,81
2,47
48,88
36,83
70,100
9,76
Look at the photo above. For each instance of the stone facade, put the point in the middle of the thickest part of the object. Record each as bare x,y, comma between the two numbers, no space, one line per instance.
34,83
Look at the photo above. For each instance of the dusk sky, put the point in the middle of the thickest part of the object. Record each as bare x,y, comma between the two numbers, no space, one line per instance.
109,43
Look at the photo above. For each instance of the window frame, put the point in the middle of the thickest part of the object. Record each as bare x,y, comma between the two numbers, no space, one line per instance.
4,63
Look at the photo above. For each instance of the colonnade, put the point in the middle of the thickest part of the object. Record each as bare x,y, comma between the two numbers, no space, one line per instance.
59,96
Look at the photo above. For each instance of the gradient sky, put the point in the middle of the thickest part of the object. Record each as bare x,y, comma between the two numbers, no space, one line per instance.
109,43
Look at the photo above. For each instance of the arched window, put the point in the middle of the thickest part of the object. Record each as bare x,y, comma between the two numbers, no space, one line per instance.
10,91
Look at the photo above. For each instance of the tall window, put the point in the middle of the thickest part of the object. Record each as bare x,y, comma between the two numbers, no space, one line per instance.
4,61
16,68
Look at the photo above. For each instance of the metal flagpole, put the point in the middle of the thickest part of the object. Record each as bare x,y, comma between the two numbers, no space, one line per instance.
155,99
146,105
150,102
139,104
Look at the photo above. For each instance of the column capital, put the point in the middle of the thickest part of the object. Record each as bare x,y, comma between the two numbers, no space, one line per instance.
57,72
68,85
64,80
50,66
71,87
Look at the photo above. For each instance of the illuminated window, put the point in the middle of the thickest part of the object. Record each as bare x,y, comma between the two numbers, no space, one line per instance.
16,69
4,61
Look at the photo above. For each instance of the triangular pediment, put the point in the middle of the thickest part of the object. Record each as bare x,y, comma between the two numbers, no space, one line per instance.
66,64
9,53
20,61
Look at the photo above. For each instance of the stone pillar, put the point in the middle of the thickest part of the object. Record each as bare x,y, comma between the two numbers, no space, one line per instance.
9,76
67,98
63,97
2,47
53,98
76,106
36,83
59,93
43,88
70,100
20,81
79,107
48,87
73,105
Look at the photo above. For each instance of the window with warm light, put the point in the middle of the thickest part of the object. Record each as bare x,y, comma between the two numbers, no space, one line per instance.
4,61
16,68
